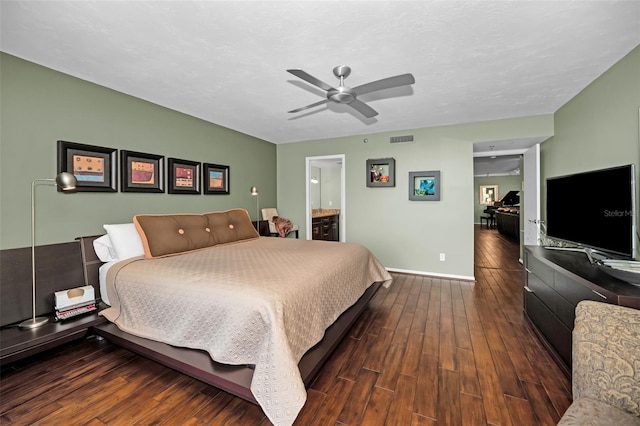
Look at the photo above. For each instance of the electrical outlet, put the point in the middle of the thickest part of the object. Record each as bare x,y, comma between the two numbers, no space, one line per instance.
442,257
330,203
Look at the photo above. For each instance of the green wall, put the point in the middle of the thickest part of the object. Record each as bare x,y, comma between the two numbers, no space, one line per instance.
599,127
40,106
406,235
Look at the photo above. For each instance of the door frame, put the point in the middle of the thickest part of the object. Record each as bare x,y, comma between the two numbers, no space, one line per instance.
531,187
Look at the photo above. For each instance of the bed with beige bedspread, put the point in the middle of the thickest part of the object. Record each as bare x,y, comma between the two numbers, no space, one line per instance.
261,302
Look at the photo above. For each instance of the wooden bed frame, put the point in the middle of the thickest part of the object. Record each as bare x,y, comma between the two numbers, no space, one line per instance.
197,363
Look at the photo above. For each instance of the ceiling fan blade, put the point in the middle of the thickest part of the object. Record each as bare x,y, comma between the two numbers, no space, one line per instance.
324,101
310,79
363,108
385,83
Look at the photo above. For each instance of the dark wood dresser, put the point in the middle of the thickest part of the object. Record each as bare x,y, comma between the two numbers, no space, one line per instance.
555,281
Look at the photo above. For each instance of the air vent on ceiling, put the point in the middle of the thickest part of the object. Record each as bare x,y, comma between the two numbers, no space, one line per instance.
401,139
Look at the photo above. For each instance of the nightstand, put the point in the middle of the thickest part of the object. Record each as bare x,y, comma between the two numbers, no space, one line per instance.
17,343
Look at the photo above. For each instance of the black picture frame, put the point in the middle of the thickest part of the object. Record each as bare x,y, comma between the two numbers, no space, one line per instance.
183,176
381,172
141,172
424,186
95,167
215,179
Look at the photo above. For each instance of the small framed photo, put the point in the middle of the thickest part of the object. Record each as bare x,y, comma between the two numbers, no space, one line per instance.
93,166
141,172
215,179
424,186
381,172
184,176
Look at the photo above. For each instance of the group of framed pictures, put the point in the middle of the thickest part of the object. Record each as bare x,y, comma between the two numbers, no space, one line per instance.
423,186
95,169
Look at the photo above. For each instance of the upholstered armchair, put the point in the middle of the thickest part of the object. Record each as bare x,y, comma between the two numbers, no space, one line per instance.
606,366
268,215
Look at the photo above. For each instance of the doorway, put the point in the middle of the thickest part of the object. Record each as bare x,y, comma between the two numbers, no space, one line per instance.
528,150
325,177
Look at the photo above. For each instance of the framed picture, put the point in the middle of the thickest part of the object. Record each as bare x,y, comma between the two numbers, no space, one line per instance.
424,186
215,179
381,172
93,166
184,176
488,194
141,172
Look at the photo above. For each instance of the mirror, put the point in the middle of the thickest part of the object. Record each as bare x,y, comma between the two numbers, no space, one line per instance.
324,185
315,193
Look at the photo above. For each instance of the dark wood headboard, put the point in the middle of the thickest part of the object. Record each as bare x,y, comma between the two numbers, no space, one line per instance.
58,267
90,262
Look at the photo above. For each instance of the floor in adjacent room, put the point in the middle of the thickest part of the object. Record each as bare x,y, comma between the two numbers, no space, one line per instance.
427,351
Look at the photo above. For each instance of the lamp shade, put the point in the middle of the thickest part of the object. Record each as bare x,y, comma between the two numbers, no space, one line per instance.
66,182
254,190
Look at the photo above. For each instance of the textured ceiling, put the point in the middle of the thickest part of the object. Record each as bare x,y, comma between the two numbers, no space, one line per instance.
225,62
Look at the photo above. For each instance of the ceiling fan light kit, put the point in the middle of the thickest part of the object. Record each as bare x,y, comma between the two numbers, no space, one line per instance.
347,95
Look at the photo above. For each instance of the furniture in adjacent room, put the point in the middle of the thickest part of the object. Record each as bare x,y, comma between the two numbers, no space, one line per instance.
506,212
555,282
606,366
325,225
488,219
268,214
508,223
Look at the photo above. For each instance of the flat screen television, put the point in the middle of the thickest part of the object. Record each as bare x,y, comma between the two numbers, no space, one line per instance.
594,209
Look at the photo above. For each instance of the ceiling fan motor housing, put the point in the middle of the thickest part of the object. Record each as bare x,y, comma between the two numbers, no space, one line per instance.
341,95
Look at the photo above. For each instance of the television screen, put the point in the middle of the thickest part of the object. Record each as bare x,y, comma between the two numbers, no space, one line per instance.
594,209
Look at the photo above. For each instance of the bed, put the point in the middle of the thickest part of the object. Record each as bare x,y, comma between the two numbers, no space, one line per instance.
254,316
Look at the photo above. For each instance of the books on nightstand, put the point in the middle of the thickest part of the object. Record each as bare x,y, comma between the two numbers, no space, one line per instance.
74,302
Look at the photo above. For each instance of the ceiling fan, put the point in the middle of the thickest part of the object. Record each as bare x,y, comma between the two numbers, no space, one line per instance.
347,95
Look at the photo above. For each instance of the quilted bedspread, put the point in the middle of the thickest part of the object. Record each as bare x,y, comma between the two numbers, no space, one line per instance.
263,302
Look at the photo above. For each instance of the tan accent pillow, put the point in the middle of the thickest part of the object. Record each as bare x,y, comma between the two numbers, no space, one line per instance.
171,234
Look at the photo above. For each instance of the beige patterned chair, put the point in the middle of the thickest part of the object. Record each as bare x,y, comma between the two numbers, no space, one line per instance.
606,366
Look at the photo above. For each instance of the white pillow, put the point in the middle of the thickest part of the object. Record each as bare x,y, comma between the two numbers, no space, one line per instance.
104,249
125,240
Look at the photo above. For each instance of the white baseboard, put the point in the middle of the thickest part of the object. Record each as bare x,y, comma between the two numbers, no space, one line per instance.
433,274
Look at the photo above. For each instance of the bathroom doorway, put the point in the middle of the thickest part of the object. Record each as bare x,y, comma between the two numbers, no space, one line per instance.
326,190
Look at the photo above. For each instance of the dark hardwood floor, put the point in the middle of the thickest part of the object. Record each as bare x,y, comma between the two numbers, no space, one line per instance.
428,351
